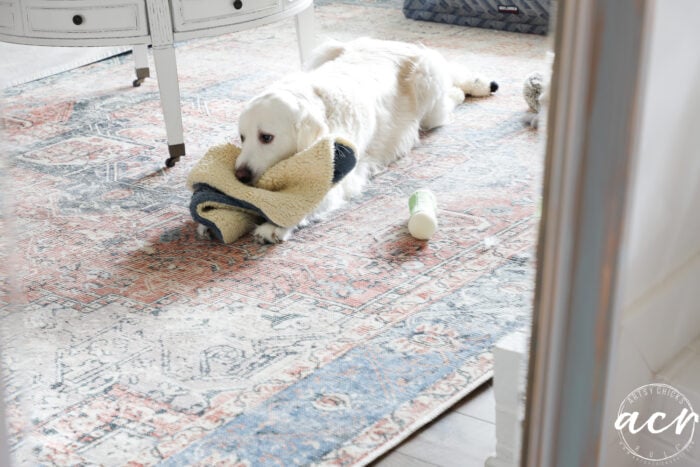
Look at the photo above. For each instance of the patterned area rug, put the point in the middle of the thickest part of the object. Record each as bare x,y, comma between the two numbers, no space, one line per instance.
127,341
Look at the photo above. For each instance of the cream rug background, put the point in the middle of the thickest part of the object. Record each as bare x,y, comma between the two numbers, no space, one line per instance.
131,342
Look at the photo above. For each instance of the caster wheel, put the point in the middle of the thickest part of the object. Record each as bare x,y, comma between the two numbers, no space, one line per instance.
175,151
137,82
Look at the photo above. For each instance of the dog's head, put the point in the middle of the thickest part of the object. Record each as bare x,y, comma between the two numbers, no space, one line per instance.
274,126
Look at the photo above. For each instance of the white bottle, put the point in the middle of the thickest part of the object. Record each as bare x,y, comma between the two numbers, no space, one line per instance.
422,206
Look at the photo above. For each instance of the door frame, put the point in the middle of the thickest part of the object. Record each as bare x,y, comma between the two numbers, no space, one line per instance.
590,157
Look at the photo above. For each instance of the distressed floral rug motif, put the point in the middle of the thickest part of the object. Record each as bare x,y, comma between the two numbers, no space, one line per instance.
137,344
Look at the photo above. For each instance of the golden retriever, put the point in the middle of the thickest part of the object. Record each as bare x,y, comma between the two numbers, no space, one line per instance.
376,94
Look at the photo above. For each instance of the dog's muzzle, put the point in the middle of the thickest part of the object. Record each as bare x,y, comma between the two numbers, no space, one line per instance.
244,175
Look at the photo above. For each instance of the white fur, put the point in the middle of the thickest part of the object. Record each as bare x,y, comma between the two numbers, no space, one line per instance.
377,94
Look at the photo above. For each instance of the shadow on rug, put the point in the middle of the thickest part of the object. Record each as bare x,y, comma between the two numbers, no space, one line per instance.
136,344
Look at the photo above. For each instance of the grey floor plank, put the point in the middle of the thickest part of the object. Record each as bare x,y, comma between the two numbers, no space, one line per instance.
479,404
398,459
454,440
464,436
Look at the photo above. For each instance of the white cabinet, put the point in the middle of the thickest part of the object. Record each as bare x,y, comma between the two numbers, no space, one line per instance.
140,23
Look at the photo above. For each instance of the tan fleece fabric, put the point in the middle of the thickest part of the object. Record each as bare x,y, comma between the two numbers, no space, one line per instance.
286,193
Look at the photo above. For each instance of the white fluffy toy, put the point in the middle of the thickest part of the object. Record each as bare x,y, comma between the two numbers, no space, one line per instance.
535,94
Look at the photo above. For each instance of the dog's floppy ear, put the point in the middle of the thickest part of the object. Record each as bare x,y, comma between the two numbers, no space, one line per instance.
310,128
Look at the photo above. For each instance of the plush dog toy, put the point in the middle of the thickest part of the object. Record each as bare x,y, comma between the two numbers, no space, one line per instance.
284,195
532,90
536,94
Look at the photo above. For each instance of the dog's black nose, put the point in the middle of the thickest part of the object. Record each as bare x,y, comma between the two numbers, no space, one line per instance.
244,175
494,86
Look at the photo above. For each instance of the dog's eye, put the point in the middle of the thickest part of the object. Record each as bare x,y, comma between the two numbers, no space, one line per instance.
265,138
242,139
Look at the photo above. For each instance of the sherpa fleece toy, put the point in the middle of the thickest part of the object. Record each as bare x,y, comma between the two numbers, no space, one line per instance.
284,195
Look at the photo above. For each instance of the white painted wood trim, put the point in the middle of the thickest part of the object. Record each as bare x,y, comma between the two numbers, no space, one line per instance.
305,24
510,367
10,17
140,56
166,72
54,19
217,31
160,22
76,42
590,150
191,15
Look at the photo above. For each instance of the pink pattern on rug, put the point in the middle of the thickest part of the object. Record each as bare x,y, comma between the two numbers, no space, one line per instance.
137,344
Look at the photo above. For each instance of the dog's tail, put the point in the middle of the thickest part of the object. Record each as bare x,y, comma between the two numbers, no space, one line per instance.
326,52
470,84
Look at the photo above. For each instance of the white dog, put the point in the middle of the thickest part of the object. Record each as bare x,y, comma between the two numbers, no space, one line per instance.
376,94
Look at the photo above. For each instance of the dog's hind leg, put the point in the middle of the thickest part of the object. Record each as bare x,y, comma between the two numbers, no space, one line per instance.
433,89
441,112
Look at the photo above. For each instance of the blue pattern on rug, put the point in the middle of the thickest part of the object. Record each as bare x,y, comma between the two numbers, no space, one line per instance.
306,421
129,341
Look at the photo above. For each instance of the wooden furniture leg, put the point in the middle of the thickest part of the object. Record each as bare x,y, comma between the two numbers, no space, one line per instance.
166,72
141,64
306,32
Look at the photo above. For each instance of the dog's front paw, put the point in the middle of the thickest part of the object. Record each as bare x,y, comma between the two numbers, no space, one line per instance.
271,233
203,232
